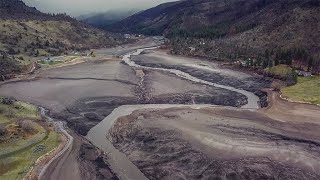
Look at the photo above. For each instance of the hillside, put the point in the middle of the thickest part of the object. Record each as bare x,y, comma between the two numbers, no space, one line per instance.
101,20
229,29
26,33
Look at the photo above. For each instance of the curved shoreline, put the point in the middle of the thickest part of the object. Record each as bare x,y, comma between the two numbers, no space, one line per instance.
253,100
119,162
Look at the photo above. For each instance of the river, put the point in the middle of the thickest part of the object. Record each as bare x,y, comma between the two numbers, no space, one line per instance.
119,162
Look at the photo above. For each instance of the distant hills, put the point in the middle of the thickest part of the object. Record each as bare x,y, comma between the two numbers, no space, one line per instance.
229,29
102,20
26,33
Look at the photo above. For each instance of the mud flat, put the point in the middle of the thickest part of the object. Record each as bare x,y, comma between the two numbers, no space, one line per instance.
216,143
207,71
119,161
93,95
205,143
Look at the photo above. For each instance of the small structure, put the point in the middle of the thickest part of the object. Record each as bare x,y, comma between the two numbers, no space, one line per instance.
303,73
127,36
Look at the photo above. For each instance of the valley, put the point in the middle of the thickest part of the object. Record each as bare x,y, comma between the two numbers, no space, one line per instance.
190,89
149,112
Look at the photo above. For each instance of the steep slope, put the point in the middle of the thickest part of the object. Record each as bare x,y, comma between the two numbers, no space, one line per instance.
26,33
232,28
152,21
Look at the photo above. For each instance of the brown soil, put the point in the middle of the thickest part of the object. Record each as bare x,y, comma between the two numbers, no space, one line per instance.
284,110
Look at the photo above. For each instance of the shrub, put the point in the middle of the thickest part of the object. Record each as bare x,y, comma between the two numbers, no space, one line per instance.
3,130
12,51
2,110
10,113
8,100
27,126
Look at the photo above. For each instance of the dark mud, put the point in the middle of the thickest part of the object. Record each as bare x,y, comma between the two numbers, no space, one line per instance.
174,153
88,112
251,84
95,162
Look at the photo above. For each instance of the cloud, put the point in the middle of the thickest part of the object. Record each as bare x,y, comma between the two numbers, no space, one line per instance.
79,7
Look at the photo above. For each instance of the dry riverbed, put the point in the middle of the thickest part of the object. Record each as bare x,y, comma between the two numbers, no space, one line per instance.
170,143
216,143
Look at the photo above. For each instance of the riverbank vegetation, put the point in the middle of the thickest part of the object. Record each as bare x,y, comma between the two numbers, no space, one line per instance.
307,89
24,137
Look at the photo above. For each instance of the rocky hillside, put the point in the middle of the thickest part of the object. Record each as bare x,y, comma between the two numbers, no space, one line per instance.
26,33
229,29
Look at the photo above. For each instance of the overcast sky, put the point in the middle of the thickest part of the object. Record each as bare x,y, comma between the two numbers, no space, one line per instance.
80,7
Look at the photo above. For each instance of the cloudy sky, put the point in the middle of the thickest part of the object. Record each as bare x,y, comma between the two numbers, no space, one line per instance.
80,7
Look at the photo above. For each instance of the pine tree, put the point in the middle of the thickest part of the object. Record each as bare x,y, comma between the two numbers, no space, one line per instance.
37,53
310,63
276,62
47,43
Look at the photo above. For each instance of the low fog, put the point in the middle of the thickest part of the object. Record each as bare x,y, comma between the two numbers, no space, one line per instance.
80,7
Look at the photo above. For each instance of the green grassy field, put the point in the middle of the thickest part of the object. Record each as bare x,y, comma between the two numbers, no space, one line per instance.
280,70
19,149
16,111
17,165
51,63
307,89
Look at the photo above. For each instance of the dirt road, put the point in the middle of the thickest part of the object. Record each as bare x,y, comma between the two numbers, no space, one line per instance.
283,110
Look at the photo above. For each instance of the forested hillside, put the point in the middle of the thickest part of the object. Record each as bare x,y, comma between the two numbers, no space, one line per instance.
269,32
26,33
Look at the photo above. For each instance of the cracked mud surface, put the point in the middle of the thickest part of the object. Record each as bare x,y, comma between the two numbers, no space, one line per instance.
183,143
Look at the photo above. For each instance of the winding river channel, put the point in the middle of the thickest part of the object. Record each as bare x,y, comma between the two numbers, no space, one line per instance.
119,162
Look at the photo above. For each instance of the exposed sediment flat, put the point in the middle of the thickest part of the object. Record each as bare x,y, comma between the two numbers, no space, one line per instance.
278,142
216,143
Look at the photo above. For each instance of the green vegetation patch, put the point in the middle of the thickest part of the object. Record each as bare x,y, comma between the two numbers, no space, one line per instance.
17,110
51,63
20,138
17,165
280,70
307,89
23,138
283,72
